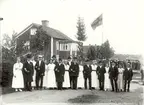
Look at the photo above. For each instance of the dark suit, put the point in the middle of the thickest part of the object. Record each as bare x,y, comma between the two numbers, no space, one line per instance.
74,72
113,75
60,71
101,77
28,71
87,75
40,70
127,76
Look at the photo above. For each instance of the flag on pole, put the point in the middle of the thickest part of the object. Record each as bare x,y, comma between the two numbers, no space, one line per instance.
97,22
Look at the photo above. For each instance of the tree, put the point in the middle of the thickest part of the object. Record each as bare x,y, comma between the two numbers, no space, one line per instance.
91,54
8,58
39,40
106,51
81,36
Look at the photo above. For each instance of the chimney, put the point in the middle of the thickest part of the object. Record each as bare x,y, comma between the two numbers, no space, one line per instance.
45,23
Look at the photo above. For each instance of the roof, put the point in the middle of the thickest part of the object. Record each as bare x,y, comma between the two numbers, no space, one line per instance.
50,31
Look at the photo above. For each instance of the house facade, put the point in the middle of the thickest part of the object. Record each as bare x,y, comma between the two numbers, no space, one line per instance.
57,43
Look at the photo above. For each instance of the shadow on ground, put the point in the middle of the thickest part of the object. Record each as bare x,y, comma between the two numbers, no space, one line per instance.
84,99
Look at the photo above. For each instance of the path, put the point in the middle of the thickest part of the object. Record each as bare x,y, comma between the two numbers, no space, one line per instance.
61,97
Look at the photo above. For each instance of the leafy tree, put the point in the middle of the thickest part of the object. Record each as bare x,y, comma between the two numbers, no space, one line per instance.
8,59
106,51
81,36
91,54
39,40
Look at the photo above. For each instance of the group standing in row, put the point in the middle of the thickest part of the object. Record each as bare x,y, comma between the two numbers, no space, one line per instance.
70,73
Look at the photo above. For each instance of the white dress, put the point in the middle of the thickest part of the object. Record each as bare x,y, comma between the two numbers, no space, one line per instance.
45,78
18,81
51,80
95,82
80,77
66,77
120,78
34,75
107,80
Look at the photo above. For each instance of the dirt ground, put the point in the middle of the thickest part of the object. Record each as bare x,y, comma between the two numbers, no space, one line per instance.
75,97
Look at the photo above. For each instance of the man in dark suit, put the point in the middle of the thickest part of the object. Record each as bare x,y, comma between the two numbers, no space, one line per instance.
87,75
28,71
127,76
74,72
60,70
113,75
101,77
40,70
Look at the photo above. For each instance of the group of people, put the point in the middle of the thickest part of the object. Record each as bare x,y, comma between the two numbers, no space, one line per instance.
70,73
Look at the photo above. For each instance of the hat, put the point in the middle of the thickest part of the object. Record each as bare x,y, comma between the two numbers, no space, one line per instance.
100,62
60,59
69,57
75,58
54,56
28,55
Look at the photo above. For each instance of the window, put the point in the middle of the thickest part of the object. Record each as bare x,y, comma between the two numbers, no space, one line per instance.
33,31
64,47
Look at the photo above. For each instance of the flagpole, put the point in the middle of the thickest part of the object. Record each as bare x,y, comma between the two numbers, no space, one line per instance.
102,29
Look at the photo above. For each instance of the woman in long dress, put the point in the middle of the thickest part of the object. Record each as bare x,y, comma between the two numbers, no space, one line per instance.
107,80
95,81
66,83
45,79
18,81
80,77
120,77
34,75
51,79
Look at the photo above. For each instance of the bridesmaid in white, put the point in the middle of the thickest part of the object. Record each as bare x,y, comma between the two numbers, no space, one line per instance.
66,83
107,80
95,81
18,81
80,77
51,79
34,75
45,81
120,77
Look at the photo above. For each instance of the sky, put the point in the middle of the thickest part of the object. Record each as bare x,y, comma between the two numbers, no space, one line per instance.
123,20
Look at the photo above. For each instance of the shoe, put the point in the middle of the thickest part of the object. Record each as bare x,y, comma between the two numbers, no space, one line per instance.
16,90
20,90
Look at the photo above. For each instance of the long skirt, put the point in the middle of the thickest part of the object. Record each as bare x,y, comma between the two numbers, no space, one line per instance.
107,81
66,80
50,79
95,82
18,81
120,81
34,79
80,80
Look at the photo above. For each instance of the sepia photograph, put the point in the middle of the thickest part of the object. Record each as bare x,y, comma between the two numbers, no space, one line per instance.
71,52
